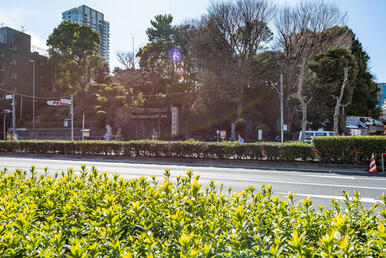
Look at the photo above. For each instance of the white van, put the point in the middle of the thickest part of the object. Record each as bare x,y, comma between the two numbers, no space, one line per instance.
309,134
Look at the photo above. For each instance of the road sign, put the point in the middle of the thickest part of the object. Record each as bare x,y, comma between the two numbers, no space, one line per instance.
66,101
223,134
8,96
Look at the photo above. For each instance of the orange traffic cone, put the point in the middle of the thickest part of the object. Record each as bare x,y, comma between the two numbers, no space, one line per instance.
373,167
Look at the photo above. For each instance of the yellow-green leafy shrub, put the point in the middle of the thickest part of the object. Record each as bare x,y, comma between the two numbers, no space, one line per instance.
98,215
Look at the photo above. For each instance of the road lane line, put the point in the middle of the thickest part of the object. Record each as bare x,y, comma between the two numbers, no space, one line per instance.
362,199
295,183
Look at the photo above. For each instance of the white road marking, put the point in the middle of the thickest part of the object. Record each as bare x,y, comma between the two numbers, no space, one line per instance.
336,197
294,183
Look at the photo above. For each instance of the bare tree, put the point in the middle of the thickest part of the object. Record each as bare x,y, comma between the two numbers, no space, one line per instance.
238,28
309,28
127,59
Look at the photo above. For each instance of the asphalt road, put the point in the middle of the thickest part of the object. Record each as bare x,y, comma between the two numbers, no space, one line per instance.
319,186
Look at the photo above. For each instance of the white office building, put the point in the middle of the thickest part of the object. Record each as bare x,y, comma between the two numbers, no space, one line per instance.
88,16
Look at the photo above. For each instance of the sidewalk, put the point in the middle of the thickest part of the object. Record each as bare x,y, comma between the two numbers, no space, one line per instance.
248,164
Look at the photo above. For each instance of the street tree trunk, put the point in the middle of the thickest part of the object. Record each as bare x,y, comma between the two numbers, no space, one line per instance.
339,101
240,103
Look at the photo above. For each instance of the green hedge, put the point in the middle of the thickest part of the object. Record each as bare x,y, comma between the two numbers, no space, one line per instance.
147,148
349,149
96,215
342,149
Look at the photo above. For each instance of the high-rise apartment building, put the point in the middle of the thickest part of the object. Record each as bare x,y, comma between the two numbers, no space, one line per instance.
88,16
20,67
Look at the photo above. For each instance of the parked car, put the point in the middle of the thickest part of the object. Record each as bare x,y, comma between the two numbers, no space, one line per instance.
354,122
320,133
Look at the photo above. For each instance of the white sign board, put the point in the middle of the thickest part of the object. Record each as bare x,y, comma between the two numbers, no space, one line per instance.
8,96
285,127
174,121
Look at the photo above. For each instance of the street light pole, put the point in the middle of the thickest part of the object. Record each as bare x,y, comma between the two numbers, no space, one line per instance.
281,110
13,114
72,117
33,98
281,96
4,126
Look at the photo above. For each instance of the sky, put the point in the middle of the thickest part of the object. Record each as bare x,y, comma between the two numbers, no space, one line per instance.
131,18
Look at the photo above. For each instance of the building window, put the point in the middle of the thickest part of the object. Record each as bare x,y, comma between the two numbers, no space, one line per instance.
1,53
13,47
1,68
13,62
14,76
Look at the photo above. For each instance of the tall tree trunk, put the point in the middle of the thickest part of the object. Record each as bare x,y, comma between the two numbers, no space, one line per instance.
240,103
339,101
299,96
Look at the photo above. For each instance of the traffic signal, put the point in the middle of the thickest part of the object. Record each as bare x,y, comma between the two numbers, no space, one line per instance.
54,102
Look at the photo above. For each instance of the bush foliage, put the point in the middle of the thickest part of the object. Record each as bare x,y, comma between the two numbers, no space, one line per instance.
349,149
92,215
148,148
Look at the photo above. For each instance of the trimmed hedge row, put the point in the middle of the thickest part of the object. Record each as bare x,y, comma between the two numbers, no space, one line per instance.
147,148
349,149
340,149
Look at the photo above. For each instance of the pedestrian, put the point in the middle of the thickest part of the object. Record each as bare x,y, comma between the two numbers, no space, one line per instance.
277,138
241,140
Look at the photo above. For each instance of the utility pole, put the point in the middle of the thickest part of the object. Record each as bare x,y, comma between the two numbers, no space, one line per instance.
13,114
83,128
72,117
86,77
33,98
4,126
281,109
281,97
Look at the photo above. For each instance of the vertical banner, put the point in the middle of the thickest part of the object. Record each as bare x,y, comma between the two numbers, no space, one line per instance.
260,135
174,121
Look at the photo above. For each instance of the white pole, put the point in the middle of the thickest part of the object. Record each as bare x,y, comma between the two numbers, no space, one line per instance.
13,114
72,117
281,109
